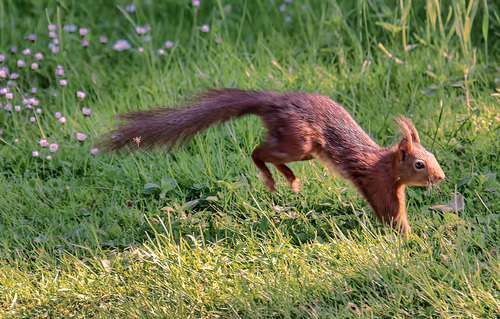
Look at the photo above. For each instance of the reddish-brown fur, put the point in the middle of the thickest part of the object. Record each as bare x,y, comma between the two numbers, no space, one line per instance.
301,126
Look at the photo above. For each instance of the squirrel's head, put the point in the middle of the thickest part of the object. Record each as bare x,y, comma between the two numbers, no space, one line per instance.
414,164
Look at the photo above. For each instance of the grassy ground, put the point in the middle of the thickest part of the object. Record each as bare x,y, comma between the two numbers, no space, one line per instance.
194,233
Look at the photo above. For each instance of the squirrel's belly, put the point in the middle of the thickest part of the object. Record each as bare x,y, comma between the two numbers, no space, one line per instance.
330,163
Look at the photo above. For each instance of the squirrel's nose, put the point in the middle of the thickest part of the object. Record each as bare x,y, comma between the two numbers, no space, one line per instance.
440,177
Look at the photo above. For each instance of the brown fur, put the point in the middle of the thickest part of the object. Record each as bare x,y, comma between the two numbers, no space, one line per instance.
300,126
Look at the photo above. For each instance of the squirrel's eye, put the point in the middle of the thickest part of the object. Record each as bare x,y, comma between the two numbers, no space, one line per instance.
419,165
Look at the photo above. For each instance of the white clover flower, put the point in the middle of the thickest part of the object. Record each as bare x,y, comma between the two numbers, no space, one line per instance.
86,110
39,56
32,119
103,39
169,44
63,82
62,119
94,151
9,95
34,66
205,28
43,142
26,51
121,45
81,136
83,31
52,27
53,147
81,94
58,115
35,153
21,63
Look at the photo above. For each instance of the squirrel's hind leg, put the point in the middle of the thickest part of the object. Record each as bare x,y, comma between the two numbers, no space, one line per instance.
271,153
289,175
266,173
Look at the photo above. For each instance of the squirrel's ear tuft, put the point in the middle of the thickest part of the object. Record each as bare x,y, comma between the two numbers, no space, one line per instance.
408,130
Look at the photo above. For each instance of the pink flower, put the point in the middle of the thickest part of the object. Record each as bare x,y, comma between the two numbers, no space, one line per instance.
83,31
81,94
86,110
81,136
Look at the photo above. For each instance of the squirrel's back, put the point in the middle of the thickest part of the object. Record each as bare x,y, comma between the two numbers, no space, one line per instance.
309,112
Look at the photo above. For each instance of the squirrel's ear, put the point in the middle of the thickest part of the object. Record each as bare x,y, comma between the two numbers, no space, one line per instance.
406,145
408,130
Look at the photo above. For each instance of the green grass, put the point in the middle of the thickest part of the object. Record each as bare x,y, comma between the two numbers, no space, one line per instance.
194,233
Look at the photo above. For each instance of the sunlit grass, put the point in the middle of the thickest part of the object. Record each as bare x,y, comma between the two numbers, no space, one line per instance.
195,233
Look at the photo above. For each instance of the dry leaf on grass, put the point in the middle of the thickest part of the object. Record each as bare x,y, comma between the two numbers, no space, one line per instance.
456,203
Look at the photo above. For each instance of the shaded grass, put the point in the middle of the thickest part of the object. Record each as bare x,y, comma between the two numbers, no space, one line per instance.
194,232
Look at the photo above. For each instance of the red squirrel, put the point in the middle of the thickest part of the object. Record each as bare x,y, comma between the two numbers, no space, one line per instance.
300,126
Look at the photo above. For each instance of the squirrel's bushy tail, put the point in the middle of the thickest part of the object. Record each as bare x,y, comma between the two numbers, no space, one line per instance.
175,126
